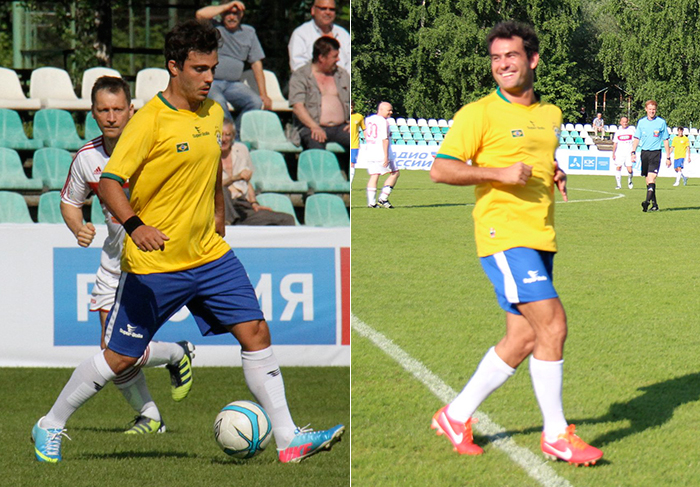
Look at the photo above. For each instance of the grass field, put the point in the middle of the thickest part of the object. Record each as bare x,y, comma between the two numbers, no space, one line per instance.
186,455
630,286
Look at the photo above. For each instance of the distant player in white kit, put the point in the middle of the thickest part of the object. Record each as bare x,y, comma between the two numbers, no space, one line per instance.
378,156
622,151
112,109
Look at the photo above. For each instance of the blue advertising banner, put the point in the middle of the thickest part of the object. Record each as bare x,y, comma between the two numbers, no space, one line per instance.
296,289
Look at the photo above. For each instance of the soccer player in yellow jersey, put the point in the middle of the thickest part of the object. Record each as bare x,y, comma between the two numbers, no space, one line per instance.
357,122
175,255
510,137
681,154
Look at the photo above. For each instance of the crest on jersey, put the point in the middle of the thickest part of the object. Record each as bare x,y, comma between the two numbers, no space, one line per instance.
183,147
218,138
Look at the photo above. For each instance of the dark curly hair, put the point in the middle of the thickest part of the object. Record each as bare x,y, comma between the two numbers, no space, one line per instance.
189,36
510,29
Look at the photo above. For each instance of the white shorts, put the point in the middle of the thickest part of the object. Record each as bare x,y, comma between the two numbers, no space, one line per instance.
104,290
374,167
623,159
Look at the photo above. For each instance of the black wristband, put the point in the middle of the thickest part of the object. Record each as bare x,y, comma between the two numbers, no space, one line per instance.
132,224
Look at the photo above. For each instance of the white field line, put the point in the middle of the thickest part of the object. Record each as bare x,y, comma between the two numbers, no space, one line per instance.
534,465
614,196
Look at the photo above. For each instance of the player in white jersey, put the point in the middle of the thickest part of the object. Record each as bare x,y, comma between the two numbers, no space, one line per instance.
112,110
378,156
622,151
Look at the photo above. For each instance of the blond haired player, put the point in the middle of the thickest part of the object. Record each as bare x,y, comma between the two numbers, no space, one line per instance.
622,151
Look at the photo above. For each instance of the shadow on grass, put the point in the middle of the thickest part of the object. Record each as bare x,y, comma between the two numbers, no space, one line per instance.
137,454
686,208
653,408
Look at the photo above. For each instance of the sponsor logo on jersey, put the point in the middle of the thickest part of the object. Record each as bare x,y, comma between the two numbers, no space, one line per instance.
183,147
199,133
130,332
97,171
534,277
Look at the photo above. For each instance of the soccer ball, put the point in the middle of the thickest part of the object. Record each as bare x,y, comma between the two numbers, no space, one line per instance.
242,429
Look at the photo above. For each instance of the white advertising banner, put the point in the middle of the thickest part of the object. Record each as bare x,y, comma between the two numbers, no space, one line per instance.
301,276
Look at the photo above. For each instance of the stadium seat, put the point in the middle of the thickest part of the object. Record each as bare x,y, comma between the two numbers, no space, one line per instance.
404,129
573,147
279,102
691,138
450,122
278,202
587,127
444,130
438,137
612,128
54,88
12,95
12,132
569,127
435,130
407,136
335,148
421,142
582,147
422,122
578,127
574,133
12,173
564,133
400,142
13,208
400,121
693,131
325,210
578,140
569,140
428,136
90,76
50,208
432,122
51,166
442,123
411,142
97,217
411,122
92,130
271,174
149,82
424,129
57,129
432,142
391,121
394,129
263,130
588,140
417,136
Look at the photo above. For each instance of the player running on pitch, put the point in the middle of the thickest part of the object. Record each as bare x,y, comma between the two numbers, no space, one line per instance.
511,136
112,109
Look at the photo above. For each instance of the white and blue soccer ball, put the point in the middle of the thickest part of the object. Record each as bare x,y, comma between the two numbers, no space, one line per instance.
242,429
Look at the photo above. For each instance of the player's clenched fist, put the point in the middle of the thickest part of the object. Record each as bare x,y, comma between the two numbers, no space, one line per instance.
86,234
518,173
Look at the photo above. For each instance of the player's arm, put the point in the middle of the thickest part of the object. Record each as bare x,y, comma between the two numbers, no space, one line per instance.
73,216
614,148
560,181
635,143
458,173
219,211
668,153
145,237
259,75
206,13
385,147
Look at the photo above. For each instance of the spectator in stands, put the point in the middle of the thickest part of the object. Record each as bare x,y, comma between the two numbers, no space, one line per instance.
240,44
379,157
583,116
322,24
239,201
319,93
598,126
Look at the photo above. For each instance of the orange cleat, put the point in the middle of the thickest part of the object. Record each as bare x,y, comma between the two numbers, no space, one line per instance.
571,448
460,434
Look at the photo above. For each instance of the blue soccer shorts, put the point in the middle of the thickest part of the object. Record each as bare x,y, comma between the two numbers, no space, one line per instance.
353,155
678,163
520,275
218,294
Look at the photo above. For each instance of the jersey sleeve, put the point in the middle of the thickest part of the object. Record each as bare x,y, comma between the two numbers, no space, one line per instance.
134,146
464,137
76,189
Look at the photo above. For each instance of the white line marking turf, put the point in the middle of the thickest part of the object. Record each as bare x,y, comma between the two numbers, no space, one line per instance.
533,464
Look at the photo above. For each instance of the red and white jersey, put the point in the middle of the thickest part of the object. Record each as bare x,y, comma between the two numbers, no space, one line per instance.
376,132
84,178
624,139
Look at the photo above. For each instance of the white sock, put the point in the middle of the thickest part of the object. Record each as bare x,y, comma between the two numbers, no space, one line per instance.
352,173
264,379
371,196
386,191
491,374
161,353
546,381
87,379
618,178
629,179
678,177
132,384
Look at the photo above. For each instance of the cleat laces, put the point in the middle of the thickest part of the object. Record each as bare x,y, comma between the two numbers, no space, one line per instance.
572,438
53,441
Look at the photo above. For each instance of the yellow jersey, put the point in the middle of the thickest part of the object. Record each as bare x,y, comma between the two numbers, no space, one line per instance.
170,158
357,122
492,132
680,146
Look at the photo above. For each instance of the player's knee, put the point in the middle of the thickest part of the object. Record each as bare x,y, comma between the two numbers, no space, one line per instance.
252,335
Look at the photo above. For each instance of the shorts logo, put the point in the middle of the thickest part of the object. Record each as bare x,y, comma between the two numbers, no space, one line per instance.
130,332
492,232
534,277
517,133
183,147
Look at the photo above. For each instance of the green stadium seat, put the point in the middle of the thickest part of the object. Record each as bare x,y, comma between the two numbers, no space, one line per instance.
578,140
271,174
278,202
92,130
438,137
421,142
325,210
435,130
569,140
444,130
417,136
428,136
425,129
432,142
404,129
57,129
415,129
50,208
582,147
12,173
335,147
52,165
263,130
407,136
319,168
564,134
573,147
574,133
399,142
411,142
97,217
12,132
13,208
